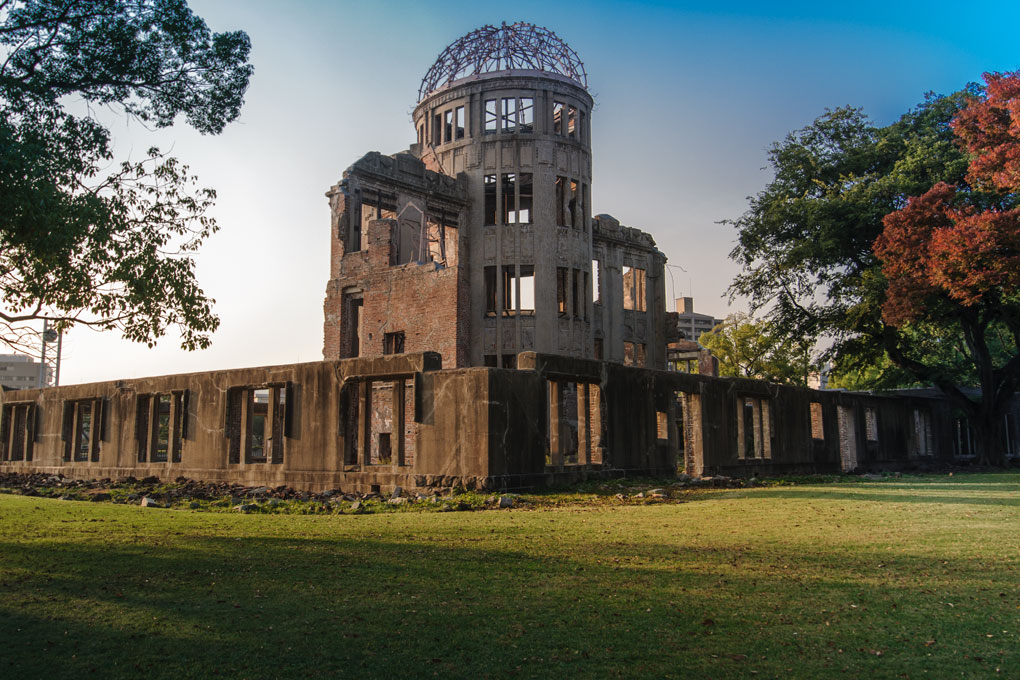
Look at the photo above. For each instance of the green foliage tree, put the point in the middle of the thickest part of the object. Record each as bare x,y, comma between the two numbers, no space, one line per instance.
747,348
807,246
80,244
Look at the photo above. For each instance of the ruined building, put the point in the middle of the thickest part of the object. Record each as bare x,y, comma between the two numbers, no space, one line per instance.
482,329
479,243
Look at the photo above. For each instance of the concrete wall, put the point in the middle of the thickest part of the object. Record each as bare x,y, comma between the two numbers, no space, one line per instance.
375,423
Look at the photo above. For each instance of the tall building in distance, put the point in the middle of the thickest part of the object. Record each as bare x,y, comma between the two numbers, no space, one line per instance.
479,242
20,372
690,323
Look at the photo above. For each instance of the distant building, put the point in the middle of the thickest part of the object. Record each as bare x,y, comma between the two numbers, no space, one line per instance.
690,323
20,372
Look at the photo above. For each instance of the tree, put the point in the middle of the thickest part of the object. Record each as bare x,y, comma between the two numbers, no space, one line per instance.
810,258
952,257
80,244
747,348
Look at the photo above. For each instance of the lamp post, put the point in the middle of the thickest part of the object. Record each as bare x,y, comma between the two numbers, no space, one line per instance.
49,335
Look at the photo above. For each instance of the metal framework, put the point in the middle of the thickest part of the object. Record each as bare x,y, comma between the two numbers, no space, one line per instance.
517,46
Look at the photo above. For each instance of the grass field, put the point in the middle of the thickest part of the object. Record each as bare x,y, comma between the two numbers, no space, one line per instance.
905,578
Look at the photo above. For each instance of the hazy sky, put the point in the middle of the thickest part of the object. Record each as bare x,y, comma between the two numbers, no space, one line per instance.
688,99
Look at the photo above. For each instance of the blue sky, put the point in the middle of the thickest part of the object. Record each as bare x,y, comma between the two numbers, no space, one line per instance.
689,96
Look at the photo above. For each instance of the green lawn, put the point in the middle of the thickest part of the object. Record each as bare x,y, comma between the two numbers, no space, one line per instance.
909,577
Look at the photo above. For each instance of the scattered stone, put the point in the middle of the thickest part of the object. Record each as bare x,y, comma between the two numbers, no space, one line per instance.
506,502
659,492
132,497
275,502
399,500
151,480
639,494
397,492
194,505
620,497
149,502
356,506
65,498
99,497
246,507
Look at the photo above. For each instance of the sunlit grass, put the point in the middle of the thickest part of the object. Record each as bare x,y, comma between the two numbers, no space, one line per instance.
905,577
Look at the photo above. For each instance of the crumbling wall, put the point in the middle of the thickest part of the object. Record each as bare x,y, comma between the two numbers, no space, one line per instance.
396,243
630,319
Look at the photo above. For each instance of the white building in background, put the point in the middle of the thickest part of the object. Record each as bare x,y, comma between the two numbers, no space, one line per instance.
20,372
690,323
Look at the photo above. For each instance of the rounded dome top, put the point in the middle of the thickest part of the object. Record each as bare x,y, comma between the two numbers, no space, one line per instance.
519,46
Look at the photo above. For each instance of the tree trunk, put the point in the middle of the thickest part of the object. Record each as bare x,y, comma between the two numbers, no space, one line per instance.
988,435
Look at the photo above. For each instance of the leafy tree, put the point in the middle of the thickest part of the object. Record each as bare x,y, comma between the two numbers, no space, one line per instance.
80,244
810,258
747,348
952,257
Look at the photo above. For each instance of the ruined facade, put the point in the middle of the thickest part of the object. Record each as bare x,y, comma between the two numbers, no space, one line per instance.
487,246
481,329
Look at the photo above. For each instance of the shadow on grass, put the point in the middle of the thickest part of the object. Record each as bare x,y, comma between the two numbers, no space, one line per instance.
984,489
370,606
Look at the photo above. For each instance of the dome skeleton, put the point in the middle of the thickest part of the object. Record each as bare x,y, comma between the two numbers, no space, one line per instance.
519,46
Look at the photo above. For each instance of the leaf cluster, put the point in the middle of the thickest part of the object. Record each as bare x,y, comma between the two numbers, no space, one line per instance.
746,348
84,240
805,242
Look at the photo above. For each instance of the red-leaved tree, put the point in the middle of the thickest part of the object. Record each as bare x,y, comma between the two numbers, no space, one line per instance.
952,257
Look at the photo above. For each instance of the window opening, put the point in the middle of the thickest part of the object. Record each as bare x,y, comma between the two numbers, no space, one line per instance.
527,114
575,289
817,426
509,114
634,288
490,360
490,290
490,199
510,361
584,305
491,116
596,282
437,129
448,126
580,126
558,118
527,284
571,122
260,414
351,336
562,274
871,424
459,130
526,199
572,206
393,343
561,201
598,348
162,448
509,195
17,432
83,431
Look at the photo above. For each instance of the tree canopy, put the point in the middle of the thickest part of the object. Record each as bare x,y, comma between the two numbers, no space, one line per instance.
747,348
897,245
79,243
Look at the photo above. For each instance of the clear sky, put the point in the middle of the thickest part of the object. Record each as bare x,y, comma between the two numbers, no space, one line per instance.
689,96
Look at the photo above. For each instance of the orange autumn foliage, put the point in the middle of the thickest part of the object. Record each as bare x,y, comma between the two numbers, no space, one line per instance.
938,245
989,130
